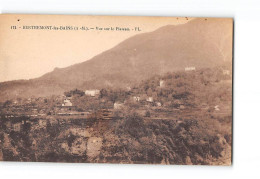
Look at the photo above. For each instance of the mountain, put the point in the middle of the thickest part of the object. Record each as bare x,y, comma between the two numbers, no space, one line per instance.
199,42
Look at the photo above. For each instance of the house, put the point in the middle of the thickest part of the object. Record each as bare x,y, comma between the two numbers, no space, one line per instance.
190,68
15,102
34,111
158,104
66,102
92,93
29,100
118,105
162,83
149,99
216,108
136,98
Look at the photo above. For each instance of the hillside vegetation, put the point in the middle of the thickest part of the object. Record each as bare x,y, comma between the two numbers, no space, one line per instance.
192,124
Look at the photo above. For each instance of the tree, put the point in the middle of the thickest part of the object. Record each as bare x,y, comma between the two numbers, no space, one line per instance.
7,103
103,93
74,92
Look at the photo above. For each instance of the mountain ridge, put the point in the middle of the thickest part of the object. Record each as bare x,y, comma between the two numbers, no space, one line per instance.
199,42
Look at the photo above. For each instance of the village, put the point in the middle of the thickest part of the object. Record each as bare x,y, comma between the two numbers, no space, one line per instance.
106,103
172,97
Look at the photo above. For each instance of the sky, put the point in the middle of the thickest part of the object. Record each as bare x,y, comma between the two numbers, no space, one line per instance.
30,53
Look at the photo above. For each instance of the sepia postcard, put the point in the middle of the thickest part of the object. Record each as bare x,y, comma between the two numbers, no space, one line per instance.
116,89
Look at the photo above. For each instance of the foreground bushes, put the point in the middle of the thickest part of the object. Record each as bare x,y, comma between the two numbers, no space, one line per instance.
136,140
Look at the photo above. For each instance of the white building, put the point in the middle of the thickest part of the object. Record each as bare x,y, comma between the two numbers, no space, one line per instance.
216,108
190,68
136,98
162,83
92,93
67,102
149,99
158,104
118,105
